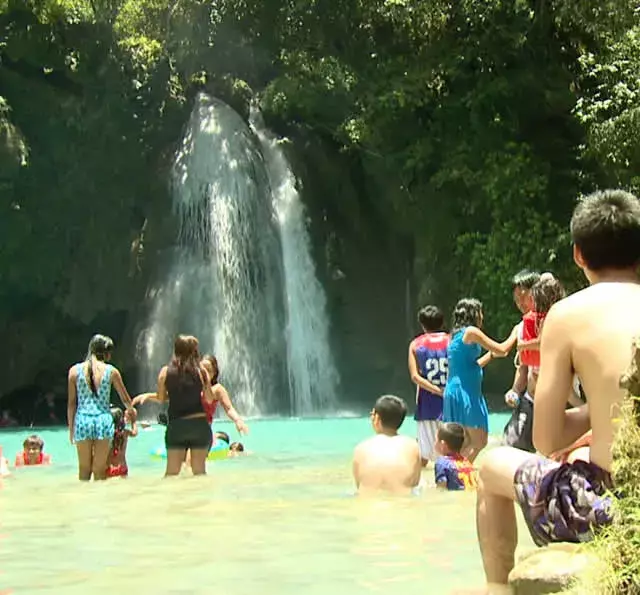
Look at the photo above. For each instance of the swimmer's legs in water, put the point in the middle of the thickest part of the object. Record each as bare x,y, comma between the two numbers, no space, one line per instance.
93,456
85,459
175,459
199,460
477,439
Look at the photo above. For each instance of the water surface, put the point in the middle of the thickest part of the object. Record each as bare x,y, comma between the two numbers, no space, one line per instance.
276,522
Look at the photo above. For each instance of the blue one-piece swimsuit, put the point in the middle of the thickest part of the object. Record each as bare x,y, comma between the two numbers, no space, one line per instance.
93,413
464,402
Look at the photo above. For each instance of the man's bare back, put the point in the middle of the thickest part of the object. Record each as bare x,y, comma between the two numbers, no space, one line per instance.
594,328
387,463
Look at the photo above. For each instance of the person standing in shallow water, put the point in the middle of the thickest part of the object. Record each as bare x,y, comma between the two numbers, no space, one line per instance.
428,366
185,383
89,411
464,402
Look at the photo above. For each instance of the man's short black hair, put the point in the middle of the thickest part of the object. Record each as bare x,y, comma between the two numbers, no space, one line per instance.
525,279
452,434
605,227
391,410
431,319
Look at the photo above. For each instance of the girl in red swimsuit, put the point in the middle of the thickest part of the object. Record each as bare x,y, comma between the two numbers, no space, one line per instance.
117,462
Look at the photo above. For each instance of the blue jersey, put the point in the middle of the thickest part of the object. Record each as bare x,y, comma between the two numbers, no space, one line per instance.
456,472
431,356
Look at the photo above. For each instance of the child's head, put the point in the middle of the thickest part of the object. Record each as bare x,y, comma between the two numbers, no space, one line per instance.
222,436
450,438
118,417
236,447
521,284
468,312
431,319
33,447
546,292
388,414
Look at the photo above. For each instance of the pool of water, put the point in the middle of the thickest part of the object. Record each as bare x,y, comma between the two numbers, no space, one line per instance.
277,521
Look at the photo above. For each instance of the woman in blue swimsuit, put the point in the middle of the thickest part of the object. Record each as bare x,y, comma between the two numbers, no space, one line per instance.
89,410
464,402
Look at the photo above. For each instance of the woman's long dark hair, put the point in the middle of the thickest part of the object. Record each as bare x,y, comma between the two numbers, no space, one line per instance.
100,347
468,312
186,357
213,362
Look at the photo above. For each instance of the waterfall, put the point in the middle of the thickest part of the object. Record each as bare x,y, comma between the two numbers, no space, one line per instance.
312,376
241,276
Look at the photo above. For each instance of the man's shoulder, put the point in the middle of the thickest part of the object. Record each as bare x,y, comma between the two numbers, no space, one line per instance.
620,295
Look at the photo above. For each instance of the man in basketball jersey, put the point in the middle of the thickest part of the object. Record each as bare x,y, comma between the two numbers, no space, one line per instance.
428,367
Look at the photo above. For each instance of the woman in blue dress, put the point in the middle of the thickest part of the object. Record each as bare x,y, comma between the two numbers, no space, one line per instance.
464,402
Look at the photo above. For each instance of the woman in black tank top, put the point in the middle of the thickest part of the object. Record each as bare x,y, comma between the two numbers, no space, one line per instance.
181,383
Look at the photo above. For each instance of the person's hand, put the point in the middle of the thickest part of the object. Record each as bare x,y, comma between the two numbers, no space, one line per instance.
242,428
130,414
511,398
71,436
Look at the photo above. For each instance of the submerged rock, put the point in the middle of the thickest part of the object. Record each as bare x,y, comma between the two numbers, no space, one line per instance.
549,570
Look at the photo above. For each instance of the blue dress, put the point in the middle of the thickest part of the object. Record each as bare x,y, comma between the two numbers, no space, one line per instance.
464,402
93,412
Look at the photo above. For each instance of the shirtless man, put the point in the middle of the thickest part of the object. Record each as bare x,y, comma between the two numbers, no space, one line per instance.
589,333
387,461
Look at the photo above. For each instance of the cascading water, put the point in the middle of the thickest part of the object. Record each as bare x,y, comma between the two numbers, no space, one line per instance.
242,279
312,376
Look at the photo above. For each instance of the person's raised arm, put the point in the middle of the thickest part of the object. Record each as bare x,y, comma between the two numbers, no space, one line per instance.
133,431
72,401
220,392
555,428
121,389
475,335
416,378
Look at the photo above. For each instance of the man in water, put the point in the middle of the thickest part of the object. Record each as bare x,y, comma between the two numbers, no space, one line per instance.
428,371
387,462
589,333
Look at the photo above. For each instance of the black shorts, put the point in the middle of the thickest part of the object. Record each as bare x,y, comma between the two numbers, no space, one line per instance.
188,432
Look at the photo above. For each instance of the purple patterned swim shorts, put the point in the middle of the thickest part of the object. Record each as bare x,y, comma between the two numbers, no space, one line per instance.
563,502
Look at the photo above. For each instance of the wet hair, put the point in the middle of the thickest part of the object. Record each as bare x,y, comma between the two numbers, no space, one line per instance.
213,362
186,357
100,347
35,440
391,410
605,227
163,419
466,313
524,279
452,434
222,436
546,292
431,319
236,447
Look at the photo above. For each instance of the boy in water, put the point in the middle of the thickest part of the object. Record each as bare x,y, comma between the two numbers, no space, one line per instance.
33,453
117,462
453,471
387,461
589,333
428,371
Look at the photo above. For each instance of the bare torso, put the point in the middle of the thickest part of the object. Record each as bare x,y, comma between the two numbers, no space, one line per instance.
602,321
387,463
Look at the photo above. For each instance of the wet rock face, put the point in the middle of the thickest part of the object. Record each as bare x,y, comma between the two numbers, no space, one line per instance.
549,570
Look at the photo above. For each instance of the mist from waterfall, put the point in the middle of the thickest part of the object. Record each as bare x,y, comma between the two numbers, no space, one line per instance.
241,277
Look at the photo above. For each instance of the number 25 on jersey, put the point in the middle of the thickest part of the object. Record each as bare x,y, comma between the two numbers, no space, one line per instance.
437,368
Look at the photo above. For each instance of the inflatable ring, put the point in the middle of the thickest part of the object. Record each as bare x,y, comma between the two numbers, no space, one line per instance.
218,451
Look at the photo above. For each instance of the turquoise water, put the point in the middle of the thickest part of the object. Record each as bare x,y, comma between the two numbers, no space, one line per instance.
278,520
